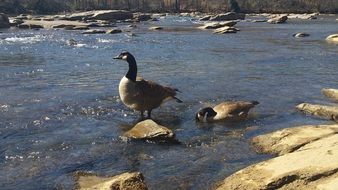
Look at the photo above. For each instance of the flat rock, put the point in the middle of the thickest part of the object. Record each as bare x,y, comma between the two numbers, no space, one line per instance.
225,30
278,20
332,38
303,16
228,16
309,167
215,25
205,18
326,112
4,21
55,23
148,129
301,35
29,26
93,31
125,181
331,93
290,139
112,15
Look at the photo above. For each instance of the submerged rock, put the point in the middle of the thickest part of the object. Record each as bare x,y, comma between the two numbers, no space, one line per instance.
301,35
215,25
326,112
311,165
290,139
228,16
148,129
94,32
332,38
155,28
331,93
114,31
4,21
278,20
125,181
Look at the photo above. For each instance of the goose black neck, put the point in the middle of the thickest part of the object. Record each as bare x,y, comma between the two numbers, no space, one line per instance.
132,72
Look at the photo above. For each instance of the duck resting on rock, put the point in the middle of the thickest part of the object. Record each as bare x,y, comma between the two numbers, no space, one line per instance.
139,94
226,111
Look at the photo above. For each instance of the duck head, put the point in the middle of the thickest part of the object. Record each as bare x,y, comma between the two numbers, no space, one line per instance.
205,114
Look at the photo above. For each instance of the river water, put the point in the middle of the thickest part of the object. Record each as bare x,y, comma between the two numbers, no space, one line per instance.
60,111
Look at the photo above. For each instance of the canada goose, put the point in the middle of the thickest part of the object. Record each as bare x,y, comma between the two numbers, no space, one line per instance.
139,94
226,111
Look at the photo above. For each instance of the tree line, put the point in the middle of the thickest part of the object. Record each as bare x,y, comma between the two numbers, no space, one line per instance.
247,6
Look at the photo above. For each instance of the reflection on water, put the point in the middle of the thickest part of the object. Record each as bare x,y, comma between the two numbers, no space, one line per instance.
60,111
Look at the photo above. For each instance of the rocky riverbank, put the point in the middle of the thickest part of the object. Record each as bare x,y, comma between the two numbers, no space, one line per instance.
307,156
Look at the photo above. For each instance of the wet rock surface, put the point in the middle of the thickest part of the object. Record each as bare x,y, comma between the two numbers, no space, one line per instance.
149,130
215,25
322,111
311,163
125,181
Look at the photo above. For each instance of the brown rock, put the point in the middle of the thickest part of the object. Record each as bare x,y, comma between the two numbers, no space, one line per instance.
148,129
226,30
278,20
125,181
290,139
326,112
309,167
215,25
331,93
142,17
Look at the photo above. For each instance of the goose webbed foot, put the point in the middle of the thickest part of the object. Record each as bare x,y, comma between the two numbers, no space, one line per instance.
149,114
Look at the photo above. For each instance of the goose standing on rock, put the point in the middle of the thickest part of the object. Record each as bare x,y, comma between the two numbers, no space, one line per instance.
226,111
139,94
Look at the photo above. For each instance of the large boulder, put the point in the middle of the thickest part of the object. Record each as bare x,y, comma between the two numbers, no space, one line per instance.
125,181
278,19
4,21
322,111
331,93
290,139
149,130
313,164
332,38
228,16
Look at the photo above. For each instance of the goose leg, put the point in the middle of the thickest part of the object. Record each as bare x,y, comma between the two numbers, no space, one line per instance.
149,114
142,114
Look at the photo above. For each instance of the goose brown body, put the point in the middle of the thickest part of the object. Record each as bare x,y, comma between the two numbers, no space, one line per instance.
226,111
139,94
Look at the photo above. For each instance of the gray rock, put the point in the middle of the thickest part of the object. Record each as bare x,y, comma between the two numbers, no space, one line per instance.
63,26
142,17
226,30
228,16
94,32
149,130
114,31
112,15
15,22
278,20
125,181
29,26
4,21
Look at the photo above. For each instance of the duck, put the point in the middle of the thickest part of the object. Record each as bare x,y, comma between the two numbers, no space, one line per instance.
140,94
226,111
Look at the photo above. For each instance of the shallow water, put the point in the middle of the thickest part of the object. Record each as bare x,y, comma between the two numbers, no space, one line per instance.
60,111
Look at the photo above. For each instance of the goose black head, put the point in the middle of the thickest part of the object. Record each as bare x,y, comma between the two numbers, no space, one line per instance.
205,114
124,55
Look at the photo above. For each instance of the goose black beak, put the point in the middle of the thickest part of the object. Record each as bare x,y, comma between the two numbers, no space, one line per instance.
118,57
